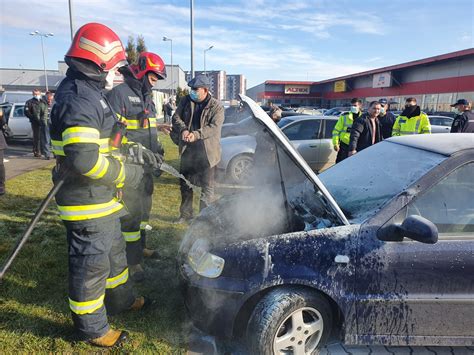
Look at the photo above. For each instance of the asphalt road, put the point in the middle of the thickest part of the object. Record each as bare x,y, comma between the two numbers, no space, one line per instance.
20,159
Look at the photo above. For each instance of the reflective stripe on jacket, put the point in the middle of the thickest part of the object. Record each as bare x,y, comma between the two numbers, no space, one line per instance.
129,102
415,125
342,129
81,124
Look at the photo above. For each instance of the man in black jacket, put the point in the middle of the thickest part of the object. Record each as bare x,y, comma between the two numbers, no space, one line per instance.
464,120
37,112
386,119
366,130
132,101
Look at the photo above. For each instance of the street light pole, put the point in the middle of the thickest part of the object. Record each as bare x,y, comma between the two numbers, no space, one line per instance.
208,49
71,24
38,33
192,37
172,81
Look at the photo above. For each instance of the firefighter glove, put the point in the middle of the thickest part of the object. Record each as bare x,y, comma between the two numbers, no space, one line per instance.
133,175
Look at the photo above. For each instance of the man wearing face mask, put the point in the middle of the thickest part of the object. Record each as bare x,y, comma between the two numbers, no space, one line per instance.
411,121
342,130
464,120
37,112
198,121
81,126
386,119
132,101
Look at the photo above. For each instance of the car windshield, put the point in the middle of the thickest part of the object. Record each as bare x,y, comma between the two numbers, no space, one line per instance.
362,184
284,121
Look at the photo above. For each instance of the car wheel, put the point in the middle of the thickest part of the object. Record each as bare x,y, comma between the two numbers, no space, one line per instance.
240,168
289,321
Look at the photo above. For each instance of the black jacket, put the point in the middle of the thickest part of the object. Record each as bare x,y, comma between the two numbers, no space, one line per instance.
81,125
36,111
386,124
463,123
361,133
3,142
137,108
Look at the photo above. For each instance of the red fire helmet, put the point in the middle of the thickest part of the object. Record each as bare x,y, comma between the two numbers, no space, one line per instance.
149,62
99,44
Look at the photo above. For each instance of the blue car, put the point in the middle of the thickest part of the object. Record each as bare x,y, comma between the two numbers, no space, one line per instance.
378,249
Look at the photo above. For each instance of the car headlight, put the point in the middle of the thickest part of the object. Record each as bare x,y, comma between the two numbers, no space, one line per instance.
203,262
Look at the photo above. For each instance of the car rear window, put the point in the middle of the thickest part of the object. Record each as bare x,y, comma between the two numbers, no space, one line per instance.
362,184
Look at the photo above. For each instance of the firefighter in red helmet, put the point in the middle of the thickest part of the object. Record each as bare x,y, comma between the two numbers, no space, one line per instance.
132,101
82,121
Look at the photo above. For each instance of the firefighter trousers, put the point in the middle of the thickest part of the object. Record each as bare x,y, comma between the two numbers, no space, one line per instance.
98,275
138,203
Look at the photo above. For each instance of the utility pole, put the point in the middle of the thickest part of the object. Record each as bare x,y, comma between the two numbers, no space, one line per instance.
167,39
192,38
71,24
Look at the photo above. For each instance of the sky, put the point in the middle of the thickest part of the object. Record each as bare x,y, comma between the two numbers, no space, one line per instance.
261,39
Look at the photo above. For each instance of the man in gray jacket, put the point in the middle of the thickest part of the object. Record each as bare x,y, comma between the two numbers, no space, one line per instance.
198,122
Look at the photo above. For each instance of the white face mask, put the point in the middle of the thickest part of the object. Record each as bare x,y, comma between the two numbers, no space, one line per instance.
354,109
109,79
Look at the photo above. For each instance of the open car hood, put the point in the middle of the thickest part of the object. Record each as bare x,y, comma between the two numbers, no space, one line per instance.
262,118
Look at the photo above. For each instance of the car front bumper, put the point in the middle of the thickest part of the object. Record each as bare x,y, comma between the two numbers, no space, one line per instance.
211,304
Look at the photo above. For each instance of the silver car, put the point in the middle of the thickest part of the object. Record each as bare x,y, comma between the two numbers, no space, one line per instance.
440,124
310,135
20,125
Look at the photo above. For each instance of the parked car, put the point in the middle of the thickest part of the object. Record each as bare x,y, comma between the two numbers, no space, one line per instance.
17,121
310,135
440,124
378,249
15,96
336,111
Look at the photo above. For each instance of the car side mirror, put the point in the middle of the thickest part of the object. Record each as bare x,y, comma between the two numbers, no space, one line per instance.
413,227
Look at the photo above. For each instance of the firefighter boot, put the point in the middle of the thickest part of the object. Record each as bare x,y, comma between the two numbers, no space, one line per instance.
110,339
136,272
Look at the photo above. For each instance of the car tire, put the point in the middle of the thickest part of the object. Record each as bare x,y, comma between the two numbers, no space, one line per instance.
276,322
239,169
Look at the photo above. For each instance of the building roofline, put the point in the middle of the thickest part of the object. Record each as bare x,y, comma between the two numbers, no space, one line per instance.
412,63
280,82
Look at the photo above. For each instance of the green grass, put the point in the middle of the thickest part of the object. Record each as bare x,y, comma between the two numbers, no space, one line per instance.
34,313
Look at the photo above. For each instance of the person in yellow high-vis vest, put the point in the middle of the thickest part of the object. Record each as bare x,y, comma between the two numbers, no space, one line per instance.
411,121
341,133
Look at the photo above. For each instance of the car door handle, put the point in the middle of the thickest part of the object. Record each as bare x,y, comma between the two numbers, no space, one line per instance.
341,259
313,145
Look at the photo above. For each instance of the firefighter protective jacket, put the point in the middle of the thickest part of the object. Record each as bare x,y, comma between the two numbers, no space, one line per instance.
137,110
82,121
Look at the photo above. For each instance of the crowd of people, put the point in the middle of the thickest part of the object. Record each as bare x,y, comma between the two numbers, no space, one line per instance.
357,130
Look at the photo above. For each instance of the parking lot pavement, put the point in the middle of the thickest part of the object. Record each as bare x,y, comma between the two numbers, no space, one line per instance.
20,160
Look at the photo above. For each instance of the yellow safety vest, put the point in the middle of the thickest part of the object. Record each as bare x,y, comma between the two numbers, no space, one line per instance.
414,125
342,129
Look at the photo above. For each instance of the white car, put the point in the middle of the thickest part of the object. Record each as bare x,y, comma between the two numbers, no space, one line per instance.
19,124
